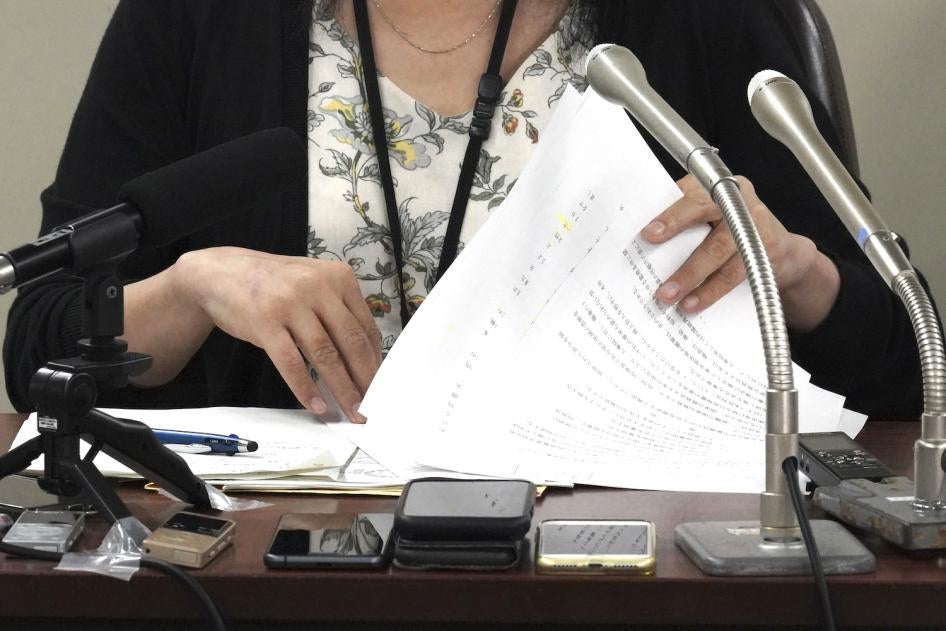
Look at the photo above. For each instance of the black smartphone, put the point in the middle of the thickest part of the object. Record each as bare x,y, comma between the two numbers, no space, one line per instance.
331,540
19,493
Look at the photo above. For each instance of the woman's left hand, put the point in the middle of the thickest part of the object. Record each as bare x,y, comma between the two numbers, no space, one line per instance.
808,281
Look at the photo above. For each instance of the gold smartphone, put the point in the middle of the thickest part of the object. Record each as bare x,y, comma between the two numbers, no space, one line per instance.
596,546
189,539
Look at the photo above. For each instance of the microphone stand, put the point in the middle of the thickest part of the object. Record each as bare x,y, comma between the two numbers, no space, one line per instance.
772,545
64,392
910,515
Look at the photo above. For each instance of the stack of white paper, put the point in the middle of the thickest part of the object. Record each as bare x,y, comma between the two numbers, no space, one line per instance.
543,354
297,452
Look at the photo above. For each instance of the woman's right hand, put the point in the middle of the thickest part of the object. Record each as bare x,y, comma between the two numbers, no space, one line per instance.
295,309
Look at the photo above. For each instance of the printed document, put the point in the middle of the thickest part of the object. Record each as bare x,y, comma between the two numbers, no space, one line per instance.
543,353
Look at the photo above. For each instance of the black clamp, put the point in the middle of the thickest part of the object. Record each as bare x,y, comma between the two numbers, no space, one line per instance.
487,96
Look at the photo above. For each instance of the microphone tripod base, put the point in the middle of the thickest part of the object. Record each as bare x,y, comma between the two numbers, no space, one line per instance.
886,509
735,548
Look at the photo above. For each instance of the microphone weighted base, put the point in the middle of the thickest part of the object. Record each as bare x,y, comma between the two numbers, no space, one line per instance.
886,509
735,548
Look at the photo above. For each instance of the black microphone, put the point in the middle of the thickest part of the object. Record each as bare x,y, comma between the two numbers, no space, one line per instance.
166,204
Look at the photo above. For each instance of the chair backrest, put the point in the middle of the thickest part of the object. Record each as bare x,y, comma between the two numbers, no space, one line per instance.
820,58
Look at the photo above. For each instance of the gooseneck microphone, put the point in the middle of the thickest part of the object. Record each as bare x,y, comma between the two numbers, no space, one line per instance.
783,111
767,546
618,76
167,204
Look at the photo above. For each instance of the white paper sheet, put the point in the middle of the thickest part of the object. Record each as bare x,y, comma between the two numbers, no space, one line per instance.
542,353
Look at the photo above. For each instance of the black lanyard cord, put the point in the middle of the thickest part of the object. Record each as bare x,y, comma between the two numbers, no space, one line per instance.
488,92
376,114
487,96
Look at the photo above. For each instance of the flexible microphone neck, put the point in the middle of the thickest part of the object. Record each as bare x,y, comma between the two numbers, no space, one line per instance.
617,75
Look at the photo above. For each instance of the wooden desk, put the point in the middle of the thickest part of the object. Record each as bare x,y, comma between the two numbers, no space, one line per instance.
903,592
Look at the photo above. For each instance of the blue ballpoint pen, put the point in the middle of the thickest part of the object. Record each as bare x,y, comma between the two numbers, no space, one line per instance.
199,442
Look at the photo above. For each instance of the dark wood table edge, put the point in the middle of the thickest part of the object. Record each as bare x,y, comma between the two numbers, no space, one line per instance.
499,598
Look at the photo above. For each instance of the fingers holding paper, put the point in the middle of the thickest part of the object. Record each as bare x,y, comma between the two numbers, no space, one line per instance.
296,309
808,281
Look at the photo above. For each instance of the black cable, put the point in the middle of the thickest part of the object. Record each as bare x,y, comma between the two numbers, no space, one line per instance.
790,469
190,582
171,570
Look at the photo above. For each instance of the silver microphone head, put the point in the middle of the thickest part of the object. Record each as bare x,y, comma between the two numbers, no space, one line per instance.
781,108
608,68
783,111
617,75
761,78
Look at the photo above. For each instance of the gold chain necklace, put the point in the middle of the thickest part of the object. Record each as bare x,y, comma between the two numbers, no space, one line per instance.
439,51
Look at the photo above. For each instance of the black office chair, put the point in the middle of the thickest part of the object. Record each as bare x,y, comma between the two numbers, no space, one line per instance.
820,57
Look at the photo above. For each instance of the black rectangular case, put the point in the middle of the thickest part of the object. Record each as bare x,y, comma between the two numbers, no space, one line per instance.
462,524
458,555
441,509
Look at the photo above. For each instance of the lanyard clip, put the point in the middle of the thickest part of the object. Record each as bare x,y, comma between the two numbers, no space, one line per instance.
487,96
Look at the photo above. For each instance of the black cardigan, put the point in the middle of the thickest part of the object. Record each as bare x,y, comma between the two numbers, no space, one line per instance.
178,76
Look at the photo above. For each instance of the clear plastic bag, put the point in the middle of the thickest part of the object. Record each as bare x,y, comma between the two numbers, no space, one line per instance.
221,501
118,556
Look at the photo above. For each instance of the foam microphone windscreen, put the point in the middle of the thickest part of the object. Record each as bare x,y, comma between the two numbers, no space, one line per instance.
207,187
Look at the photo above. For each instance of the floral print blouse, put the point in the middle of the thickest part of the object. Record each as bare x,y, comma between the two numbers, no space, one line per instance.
347,216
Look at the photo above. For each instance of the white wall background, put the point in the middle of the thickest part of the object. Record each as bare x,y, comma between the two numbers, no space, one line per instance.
892,52
46,48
